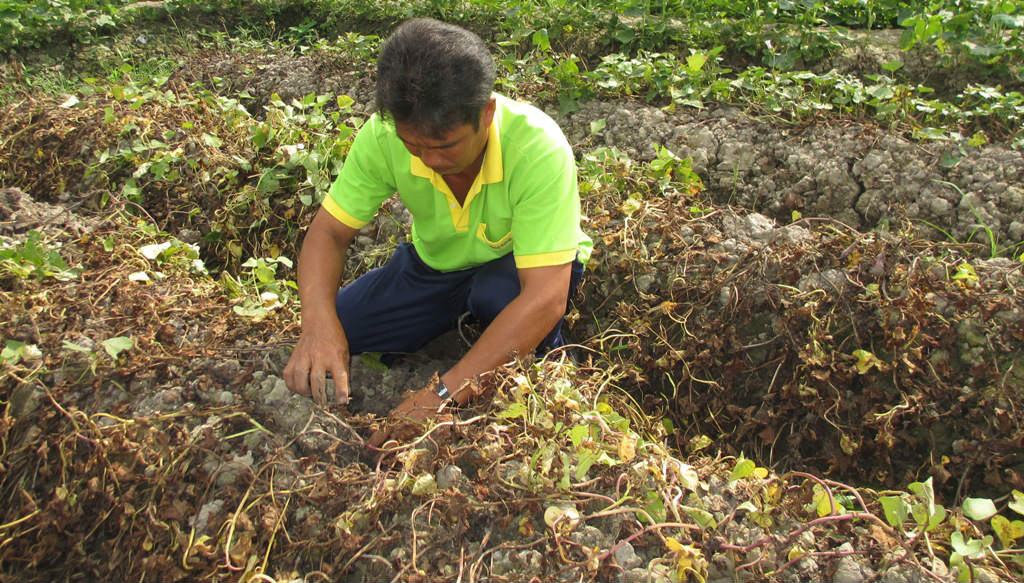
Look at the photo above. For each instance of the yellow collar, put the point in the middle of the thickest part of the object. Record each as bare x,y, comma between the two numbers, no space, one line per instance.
491,171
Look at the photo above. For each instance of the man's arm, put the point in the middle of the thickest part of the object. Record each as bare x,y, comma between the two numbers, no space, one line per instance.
518,328
322,345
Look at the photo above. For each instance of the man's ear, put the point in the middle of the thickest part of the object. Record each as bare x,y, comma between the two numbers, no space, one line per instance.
487,113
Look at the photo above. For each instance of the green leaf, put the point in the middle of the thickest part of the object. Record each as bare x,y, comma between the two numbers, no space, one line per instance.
1017,504
696,62
744,468
372,360
540,40
612,418
925,492
938,515
15,352
956,561
971,548
578,433
895,510
586,458
251,310
513,411
117,345
655,507
702,517
748,506
76,347
261,134
268,182
979,508
931,134
624,35
212,140
892,66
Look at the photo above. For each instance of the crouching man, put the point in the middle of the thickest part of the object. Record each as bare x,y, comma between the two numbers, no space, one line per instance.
491,186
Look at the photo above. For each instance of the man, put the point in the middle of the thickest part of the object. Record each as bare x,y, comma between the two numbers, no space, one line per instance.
491,186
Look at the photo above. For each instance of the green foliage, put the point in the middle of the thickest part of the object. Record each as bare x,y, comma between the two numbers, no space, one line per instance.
34,259
15,352
258,291
31,23
117,345
303,136
927,517
988,32
174,253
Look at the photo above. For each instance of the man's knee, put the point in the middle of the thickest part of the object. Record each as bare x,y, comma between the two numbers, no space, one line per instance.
494,286
497,284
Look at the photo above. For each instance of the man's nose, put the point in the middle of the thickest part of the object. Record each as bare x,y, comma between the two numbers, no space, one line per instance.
432,158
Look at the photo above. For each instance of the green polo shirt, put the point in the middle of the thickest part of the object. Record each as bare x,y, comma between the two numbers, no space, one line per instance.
524,199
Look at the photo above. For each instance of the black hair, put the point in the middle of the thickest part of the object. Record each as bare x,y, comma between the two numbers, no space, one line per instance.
434,76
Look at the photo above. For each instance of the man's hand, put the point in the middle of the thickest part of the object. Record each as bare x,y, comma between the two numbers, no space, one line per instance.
409,416
322,347
320,350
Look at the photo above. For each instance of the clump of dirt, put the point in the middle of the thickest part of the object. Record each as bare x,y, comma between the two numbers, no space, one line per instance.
861,174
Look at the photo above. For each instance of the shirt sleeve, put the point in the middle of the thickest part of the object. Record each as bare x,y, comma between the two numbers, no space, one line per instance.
546,204
366,178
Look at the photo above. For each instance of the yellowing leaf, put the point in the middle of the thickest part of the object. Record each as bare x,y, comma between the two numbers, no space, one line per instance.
565,517
848,444
1007,531
699,442
965,275
795,553
689,560
627,448
822,503
866,360
631,206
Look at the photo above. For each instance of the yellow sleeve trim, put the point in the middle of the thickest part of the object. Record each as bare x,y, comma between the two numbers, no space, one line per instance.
339,213
545,259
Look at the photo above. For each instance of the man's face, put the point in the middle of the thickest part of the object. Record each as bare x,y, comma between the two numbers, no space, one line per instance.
456,151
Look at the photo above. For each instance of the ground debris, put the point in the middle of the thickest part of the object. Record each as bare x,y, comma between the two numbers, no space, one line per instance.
878,357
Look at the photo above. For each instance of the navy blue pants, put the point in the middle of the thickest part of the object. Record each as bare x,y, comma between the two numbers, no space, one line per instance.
405,304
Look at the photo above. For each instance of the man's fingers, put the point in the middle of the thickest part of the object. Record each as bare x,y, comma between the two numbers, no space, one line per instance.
296,378
318,386
341,386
